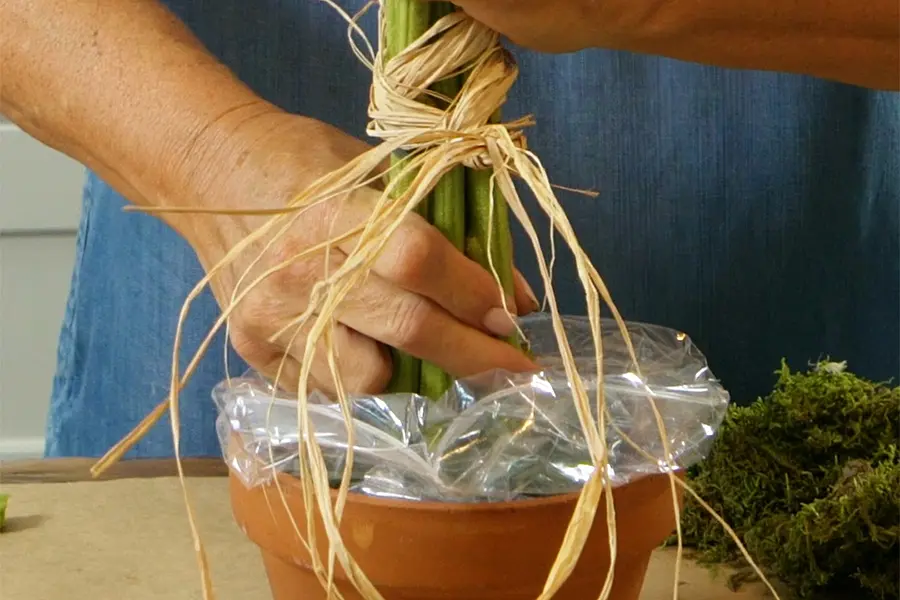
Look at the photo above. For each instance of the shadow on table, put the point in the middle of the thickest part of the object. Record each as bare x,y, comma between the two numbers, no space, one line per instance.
22,523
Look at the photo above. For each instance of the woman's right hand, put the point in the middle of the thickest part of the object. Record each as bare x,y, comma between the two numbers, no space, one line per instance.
423,297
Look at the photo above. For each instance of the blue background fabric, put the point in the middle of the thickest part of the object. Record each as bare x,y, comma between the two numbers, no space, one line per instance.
756,211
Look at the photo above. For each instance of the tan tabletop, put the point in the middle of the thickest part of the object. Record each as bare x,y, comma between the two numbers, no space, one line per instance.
127,538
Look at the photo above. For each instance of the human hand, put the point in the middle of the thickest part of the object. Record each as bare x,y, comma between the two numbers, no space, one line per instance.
833,40
423,297
557,26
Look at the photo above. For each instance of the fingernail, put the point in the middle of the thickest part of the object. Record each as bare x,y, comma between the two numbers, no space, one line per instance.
528,291
498,322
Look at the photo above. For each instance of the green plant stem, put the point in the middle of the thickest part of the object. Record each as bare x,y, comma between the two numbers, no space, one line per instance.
459,206
448,214
406,21
488,235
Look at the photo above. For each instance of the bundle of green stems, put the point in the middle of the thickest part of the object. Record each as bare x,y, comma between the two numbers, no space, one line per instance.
459,205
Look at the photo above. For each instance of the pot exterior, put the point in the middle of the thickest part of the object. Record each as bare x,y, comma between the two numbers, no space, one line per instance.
288,582
428,551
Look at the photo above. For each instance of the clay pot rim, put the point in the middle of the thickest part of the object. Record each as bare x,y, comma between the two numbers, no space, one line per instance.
361,499
469,507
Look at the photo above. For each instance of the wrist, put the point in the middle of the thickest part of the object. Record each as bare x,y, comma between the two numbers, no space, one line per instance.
204,170
254,157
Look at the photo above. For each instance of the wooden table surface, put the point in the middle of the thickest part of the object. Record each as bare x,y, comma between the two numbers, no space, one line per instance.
126,537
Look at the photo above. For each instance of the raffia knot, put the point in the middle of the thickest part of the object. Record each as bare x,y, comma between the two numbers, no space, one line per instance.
403,109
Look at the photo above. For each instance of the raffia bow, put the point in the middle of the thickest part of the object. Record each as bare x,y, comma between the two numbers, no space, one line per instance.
399,102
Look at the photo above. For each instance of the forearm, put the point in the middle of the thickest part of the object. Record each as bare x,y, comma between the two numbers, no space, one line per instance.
123,87
842,40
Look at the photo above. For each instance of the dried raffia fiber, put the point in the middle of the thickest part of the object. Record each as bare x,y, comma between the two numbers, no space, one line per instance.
436,141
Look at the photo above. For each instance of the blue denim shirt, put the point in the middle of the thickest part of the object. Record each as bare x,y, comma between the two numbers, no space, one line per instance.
756,211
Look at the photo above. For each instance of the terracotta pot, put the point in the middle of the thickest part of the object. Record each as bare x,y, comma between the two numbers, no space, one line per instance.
425,551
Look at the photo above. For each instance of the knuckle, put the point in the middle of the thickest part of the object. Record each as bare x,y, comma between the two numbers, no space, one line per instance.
248,346
240,341
252,316
413,257
372,373
409,324
292,271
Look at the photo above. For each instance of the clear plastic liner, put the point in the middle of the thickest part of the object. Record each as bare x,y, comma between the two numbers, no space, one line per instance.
497,436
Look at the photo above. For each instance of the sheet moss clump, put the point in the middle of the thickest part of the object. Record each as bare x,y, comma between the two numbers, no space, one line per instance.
809,477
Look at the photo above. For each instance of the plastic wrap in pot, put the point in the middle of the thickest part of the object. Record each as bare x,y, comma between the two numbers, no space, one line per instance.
496,436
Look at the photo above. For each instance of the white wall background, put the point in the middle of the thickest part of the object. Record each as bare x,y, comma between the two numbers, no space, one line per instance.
40,202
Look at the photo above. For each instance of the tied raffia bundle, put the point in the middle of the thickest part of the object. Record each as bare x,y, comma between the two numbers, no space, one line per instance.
434,140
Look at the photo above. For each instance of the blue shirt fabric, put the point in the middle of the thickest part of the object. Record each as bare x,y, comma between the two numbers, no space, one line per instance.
756,211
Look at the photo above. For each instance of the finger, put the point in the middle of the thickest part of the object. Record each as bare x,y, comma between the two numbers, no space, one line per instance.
396,317
363,365
417,326
419,259
284,372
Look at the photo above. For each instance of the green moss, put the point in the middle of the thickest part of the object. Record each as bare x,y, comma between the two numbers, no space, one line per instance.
4,500
809,477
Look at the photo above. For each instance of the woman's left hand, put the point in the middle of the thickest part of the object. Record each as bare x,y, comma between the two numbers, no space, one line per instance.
554,26
838,41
